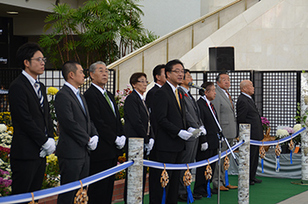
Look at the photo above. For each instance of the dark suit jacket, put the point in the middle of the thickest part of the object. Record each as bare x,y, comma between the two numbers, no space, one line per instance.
76,127
149,102
136,117
247,112
192,110
29,121
170,120
107,124
209,124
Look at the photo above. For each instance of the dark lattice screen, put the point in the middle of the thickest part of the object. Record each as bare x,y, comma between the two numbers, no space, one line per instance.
198,79
276,93
54,78
280,98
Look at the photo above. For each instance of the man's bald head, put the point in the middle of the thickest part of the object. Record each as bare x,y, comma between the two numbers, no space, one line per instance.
246,86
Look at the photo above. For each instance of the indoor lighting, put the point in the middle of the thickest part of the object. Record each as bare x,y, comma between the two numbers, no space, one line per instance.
12,12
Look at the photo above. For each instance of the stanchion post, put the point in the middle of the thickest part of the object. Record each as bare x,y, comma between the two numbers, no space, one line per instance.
304,135
135,172
243,159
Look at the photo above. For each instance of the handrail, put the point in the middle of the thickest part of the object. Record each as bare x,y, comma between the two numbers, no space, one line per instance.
142,49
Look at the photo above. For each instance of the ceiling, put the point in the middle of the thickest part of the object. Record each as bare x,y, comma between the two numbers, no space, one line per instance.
22,12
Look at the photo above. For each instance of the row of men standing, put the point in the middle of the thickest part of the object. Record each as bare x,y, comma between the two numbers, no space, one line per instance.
92,123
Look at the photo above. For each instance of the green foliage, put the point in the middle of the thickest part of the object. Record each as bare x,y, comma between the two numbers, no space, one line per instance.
99,30
299,117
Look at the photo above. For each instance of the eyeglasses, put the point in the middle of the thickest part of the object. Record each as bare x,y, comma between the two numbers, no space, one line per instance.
143,82
40,59
178,71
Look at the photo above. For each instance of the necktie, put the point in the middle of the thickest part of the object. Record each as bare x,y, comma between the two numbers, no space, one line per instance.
177,97
80,101
212,107
109,102
149,123
39,93
230,99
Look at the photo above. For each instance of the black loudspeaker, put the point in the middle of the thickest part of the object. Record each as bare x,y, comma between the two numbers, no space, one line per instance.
221,58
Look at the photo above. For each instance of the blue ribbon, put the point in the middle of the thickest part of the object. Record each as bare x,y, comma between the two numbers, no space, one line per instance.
226,178
278,164
209,194
164,196
190,198
262,161
291,157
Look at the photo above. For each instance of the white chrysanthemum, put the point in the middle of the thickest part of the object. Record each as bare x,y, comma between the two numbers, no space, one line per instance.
282,133
3,128
297,127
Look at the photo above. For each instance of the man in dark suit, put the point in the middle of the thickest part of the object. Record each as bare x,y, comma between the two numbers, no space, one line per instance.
77,133
171,128
247,112
33,127
159,79
192,120
209,119
106,117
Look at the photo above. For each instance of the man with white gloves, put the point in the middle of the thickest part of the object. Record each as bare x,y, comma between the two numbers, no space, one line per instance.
171,132
106,118
77,133
196,127
32,123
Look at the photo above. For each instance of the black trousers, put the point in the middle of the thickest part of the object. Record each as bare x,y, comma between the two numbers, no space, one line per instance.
72,170
27,175
101,191
200,181
254,160
172,188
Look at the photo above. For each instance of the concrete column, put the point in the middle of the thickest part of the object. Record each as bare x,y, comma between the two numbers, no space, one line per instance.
243,159
135,172
304,135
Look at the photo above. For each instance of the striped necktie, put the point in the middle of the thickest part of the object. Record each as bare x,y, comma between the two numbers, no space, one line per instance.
39,93
177,98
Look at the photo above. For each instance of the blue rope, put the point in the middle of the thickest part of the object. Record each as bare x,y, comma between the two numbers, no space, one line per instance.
26,197
285,139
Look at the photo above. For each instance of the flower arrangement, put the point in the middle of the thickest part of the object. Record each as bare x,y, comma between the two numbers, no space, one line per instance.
51,92
121,175
5,170
281,133
120,97
52,171
265,123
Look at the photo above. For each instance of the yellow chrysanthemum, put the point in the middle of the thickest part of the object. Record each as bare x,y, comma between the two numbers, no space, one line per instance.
52,159
52,91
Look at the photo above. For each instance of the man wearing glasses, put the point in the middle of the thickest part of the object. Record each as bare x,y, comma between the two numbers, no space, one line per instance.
33,127
171,131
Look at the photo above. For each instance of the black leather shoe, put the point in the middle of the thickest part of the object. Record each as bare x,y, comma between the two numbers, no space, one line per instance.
182,197
197,196
257,180
251,182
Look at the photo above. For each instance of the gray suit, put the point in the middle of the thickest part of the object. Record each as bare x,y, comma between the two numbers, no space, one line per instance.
192,120
227,121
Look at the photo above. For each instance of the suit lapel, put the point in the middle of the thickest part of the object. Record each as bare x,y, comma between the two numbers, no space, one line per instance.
223,94
74,97
103,100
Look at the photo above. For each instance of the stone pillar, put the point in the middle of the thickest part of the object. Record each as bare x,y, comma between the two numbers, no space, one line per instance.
304,135
243,159
135,172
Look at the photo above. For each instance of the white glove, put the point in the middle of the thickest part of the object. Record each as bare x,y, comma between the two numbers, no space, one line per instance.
48,147
92,144
191,129
120,141
149,146
203,130
204,146
185,135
